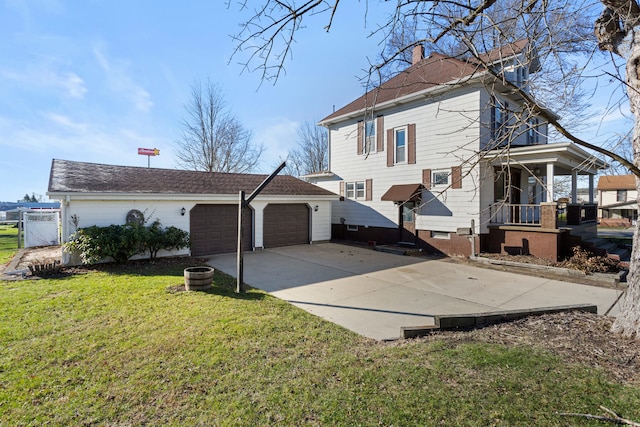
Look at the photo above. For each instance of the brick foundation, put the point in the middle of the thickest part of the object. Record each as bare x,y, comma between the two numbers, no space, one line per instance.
542,243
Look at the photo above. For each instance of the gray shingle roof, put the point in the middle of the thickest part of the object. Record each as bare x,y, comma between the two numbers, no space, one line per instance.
80,177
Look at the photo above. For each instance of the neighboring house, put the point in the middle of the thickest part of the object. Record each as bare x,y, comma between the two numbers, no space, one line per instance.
12,210
288,211
618,198
422,159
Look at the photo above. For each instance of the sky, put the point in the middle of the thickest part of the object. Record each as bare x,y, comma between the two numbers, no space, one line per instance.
94,80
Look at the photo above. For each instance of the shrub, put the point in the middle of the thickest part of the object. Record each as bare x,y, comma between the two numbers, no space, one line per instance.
169,238
122,242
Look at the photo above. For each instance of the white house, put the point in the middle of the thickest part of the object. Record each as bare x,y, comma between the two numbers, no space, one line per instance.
444,146
618,197
288,211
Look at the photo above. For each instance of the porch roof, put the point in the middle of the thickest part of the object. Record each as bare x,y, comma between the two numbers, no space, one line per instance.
402,192
565,156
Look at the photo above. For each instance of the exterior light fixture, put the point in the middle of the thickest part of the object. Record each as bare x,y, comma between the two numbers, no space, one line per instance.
183,211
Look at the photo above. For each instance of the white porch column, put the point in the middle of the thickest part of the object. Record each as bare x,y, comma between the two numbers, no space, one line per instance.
591,198
574,186
549,182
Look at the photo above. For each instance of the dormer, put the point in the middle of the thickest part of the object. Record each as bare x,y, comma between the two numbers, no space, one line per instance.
515,62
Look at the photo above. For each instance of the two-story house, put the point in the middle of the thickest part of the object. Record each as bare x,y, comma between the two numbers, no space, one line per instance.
618,200
445,148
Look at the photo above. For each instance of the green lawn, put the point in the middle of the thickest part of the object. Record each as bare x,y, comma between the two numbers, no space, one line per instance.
115,347
8,243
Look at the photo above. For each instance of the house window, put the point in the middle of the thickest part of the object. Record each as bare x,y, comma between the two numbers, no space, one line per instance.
440,235
355,190
621,195
352,227
500,119
440,178
401,145
369,141
533,137
521,76
350,190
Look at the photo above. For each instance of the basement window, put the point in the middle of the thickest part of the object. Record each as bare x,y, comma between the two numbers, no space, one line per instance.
440,235
352,228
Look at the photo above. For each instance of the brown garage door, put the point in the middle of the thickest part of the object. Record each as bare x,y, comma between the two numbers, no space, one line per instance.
286,224
214,229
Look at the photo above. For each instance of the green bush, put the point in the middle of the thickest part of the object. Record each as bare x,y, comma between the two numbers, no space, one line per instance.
169,238
122,242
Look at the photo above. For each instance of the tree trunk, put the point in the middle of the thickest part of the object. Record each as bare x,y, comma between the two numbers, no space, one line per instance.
628,322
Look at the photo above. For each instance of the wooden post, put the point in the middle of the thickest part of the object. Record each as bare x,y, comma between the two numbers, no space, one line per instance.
240,267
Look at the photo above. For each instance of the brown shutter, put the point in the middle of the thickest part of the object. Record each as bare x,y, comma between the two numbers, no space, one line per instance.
456,177
368,189
342,188
380,133
426,178
390,147
360,136
411,144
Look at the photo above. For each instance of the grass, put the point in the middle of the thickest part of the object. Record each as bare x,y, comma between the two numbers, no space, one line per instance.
115,347
8,243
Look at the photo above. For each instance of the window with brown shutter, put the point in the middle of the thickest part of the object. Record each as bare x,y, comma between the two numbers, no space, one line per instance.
380,133
456,177
426,178
411,144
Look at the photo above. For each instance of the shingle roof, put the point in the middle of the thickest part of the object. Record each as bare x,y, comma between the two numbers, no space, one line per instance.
436,70
79,177
617,182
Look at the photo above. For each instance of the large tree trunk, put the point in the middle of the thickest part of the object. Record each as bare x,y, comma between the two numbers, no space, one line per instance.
628,322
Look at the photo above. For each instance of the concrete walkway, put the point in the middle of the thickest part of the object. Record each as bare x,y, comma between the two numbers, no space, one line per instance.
375,294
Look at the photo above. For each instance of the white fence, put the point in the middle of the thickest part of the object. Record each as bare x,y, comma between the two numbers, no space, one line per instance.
41,229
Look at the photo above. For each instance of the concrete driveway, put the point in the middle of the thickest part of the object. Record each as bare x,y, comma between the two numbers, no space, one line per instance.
375,293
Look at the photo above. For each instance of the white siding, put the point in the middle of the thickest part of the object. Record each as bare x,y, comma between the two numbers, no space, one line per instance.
106,212
447,134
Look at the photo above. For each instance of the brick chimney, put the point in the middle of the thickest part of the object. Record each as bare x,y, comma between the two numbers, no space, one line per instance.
418,54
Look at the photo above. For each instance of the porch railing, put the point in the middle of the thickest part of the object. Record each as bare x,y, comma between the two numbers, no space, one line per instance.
515,214
523,214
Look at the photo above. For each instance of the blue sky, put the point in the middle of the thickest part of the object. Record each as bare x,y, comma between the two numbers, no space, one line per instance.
93,80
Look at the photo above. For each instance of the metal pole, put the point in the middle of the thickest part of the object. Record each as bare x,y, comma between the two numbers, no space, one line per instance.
240,266
473,238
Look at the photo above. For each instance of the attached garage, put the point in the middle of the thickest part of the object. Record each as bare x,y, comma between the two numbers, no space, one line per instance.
214,229
286,224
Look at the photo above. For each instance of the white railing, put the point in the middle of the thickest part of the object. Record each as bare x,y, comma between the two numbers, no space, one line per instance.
514,214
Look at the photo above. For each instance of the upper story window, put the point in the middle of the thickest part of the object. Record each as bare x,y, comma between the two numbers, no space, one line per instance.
369,137
621,195
499,119
533,135
400,145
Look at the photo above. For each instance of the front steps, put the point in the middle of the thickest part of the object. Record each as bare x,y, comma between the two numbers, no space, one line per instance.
608,248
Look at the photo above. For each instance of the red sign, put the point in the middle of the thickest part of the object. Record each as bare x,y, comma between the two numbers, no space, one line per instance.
148,151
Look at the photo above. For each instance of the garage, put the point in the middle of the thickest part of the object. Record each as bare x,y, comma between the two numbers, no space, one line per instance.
214,229
286,224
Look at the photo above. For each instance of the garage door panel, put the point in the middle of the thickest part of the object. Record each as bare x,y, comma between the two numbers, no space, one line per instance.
286,224
214,229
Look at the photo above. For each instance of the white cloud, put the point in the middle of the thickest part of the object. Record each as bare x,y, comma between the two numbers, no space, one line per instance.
119,80
46,76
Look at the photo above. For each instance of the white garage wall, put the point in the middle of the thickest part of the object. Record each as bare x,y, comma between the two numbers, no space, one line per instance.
114,211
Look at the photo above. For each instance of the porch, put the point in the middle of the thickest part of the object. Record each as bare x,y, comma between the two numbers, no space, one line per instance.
531,213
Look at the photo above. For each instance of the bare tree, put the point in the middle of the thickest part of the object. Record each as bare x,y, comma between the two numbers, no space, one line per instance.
311,153
269,33
213,139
